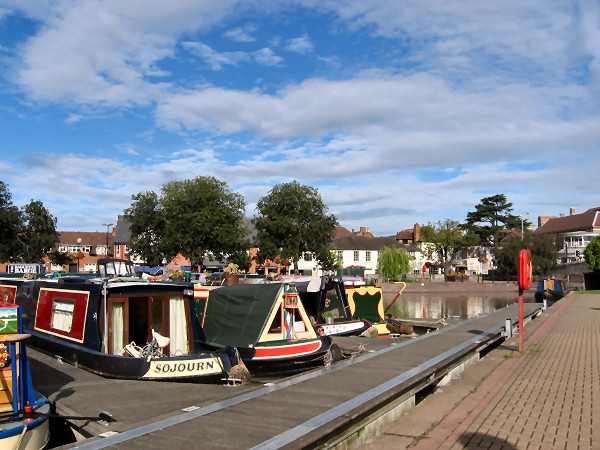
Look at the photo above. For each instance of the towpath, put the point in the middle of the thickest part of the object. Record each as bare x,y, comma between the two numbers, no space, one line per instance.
546,397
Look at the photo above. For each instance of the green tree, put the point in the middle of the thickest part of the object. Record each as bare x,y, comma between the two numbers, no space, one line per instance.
10,225
38,233
292,219
60,258
447,239
329,260
543,254
192,217
146,220
592,254
394,263
491,216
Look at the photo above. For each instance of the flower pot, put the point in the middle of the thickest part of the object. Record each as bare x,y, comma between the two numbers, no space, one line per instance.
232,279
328,320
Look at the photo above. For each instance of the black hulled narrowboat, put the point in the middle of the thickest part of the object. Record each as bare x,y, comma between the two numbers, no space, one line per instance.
121,327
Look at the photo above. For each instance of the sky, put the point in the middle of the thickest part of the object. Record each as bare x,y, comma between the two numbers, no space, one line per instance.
398,112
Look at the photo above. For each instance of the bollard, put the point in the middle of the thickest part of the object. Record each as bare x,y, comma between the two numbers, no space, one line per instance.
508,327
545,306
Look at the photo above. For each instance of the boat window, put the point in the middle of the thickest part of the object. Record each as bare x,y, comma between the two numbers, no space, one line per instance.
178,326
276,324
62,314
299,325
118,327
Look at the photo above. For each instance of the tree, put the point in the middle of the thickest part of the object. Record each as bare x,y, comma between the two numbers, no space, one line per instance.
592,254
292,219
490,216
192,217
147,225
329,260
61,259
38,233
394,263
447,239
543,254
10,224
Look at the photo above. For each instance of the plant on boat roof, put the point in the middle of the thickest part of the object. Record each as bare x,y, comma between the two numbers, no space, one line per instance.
232,268
328,314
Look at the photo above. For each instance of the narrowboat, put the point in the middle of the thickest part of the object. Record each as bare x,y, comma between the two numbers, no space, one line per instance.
268,325
550,289
24,412
121,327
327,305
366,302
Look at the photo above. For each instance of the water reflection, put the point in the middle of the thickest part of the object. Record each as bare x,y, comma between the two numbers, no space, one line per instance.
434,305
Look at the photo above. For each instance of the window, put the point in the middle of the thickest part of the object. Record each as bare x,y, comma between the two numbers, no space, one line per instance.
368,256
341,255
356,255
62,314
308,256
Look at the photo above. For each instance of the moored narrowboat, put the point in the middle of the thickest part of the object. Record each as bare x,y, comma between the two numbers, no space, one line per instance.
268,325
326,303
550,289
24,412
120,327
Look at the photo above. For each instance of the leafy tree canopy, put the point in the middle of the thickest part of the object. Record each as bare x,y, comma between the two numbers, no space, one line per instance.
10,224
543,254
292,219
447,239
26,234
38,233
492,215
192,217
592,254
394,263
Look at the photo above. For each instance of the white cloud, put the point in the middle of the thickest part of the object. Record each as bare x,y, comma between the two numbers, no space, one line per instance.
241,34
267,57
300,45
214,59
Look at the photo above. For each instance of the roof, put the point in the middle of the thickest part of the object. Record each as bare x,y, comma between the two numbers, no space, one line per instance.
122,233
342,231
587,221
236,315
87,238
369,243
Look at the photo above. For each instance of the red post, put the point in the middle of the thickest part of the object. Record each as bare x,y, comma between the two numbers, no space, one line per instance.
525,281
520,320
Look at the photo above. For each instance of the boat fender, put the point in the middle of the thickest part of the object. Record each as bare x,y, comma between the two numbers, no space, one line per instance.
240,372
334,354
370,332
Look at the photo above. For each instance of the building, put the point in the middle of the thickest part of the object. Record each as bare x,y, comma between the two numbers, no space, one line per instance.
86,247
571,233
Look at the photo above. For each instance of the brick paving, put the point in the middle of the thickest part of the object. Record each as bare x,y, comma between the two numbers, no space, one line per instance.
543,398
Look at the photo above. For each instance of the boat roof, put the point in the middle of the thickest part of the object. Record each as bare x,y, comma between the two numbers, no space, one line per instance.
236,315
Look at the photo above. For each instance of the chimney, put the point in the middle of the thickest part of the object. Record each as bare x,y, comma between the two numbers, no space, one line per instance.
572,211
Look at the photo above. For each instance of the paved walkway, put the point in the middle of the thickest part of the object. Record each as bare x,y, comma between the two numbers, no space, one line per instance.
546,397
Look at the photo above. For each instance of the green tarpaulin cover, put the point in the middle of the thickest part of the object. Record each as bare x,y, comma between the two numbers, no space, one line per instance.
236,315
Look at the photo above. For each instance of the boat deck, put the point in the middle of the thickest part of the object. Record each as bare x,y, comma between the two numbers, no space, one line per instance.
300,411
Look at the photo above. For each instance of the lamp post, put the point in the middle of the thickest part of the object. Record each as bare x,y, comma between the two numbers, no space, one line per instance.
521,216
107,225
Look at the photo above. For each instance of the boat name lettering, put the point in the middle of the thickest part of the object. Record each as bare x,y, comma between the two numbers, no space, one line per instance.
175,367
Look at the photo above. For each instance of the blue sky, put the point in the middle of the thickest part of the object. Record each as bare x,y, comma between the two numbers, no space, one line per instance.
398,112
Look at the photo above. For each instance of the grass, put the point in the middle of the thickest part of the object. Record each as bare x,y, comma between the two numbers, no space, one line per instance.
587,292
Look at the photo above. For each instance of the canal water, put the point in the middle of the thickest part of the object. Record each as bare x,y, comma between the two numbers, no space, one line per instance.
433,305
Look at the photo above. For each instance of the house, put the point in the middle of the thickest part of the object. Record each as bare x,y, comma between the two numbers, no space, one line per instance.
86,246
571,233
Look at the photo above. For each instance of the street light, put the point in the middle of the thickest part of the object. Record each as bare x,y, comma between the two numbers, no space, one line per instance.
107,225
521,216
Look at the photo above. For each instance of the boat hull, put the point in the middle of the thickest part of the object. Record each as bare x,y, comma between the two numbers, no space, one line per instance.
205,367
36,436
286,358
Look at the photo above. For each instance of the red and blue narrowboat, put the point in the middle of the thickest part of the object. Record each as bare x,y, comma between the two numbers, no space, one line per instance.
268,325
24,412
